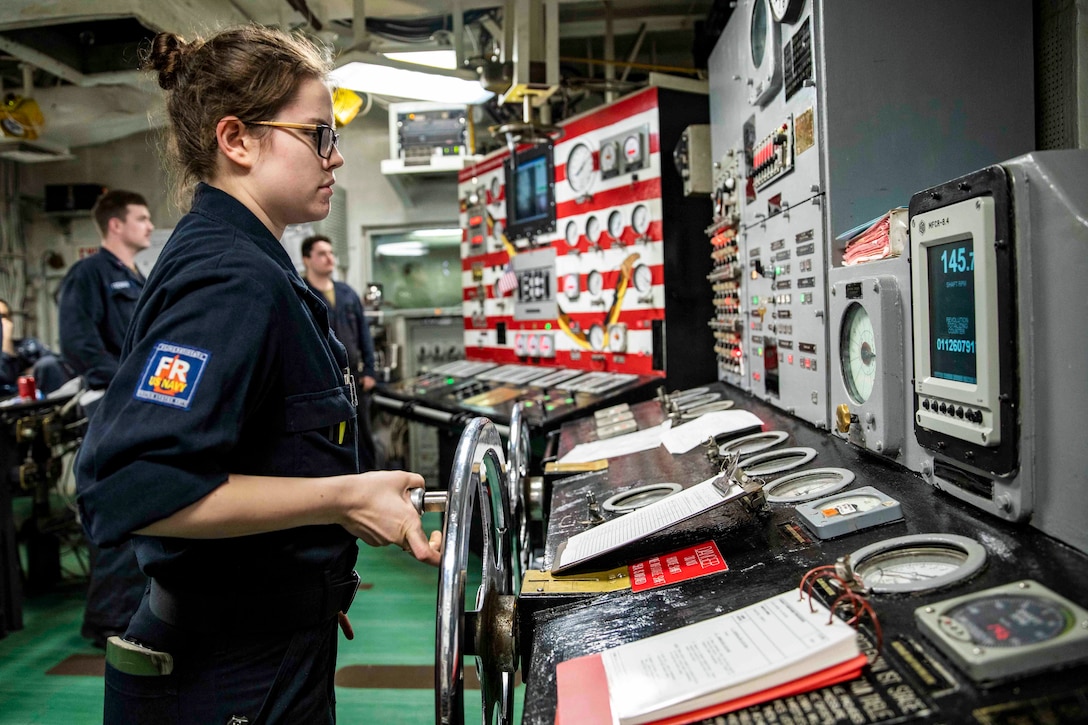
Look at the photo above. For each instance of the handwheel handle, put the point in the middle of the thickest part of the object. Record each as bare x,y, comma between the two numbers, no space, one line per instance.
426,501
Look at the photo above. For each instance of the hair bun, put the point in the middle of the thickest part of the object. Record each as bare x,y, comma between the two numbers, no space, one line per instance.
166,57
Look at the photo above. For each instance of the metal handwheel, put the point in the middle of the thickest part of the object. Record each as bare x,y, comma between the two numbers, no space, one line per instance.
518,455
477,482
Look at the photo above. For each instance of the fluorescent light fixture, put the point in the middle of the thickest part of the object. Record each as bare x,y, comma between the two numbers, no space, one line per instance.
401,249
372,73
429,233
434,58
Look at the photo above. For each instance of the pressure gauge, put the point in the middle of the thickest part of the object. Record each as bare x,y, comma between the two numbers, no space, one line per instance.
640,219
784,459
698,410
496,187
547,346
596,337
615,224
758,32
580,168
754,443
786,11
572,286
857,352
643,279
632,149
694,401
532,347
635,498
918,562
849,511
593,229
571,233
807,485
608,158
1008,631
594,283
617,337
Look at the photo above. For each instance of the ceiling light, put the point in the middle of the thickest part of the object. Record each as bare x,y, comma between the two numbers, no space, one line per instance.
434,58
371,73
401,249
428,233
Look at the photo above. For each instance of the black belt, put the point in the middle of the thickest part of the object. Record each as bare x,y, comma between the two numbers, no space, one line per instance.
274,612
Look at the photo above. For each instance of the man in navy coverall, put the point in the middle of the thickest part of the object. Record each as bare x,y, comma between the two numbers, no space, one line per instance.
97,299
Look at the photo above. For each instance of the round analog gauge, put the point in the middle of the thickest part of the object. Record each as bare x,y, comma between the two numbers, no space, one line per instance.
547,345
640,496
705,408
571,233
1009,620
572,286
785,459
643,279
632,148
808,485
918,562
496,187
595,283
615,224
678,395
640,219
500,228
580,168
608,158
596,337
857,352
694,401
786,11
759,32
754,443
593,229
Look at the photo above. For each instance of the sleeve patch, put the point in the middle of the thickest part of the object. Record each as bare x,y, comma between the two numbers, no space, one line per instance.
171,375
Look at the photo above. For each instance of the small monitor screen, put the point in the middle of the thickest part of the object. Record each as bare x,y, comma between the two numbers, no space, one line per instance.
952,311
531,190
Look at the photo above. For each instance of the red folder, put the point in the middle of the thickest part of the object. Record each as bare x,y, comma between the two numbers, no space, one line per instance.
582,692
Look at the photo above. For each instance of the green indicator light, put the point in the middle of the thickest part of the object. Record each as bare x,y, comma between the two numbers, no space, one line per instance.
569,401
549,407
528,404
450,381
759,351
547,325
755,299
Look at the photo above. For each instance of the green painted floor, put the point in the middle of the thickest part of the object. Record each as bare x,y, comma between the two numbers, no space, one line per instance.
394,621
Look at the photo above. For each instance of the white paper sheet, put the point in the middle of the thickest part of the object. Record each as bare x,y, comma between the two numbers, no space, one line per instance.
683,438
641,440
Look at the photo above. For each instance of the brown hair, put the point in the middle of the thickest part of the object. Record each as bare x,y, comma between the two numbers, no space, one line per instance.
114,205
309,242
250,72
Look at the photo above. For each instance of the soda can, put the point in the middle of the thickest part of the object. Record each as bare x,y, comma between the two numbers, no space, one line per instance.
28,387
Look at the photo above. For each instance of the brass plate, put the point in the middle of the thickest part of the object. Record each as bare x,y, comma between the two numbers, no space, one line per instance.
804,137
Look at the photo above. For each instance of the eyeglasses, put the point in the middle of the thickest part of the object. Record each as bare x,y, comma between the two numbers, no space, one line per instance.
324,136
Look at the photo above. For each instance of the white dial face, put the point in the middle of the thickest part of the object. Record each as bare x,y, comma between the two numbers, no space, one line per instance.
615,224
806,486
496,187
858,352
640,219
644,279
608,157
596,337
785,9
908,566
571,286
571,233
632,148
580,168
533,346
617,338
593,229
595,283
547,346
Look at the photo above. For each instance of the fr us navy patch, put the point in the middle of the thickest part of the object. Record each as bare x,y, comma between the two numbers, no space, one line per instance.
171,375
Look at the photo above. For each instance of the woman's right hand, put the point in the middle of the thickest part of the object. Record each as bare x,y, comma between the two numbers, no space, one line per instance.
380,512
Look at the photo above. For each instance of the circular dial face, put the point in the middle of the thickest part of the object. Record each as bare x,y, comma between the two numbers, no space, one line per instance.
496,187
615,224
608,157
749,444
1009,620
758,40
785,459
786,11
593,229
808,485
596,337
580,168
640,219
632,148
918,562
572,287
636,498
533,345
857,352
595,284
571,234
643,279
547,345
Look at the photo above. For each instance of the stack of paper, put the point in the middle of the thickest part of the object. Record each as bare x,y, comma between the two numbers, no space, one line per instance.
884,237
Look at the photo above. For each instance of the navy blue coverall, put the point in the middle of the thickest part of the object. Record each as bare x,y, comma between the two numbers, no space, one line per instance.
97,298
351,328
230,366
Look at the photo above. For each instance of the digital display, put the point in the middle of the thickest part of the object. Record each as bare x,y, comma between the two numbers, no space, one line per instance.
535,285
531,190
952,338
536,291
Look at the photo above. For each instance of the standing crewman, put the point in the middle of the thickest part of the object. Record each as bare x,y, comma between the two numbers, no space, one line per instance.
97,299
351,328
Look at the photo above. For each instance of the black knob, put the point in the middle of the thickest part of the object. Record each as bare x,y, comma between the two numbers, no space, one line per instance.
943,408
925,403
959,412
